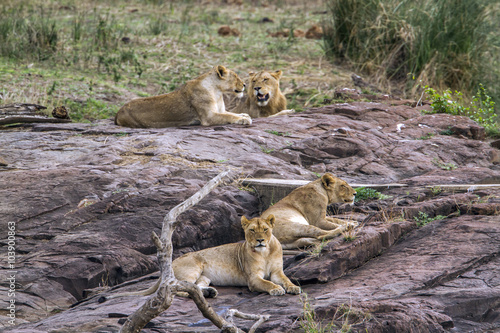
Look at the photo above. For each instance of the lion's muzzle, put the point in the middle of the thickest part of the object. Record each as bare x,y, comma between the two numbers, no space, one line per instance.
262,98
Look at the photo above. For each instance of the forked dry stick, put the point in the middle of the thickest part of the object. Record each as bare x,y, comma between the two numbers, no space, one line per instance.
169,285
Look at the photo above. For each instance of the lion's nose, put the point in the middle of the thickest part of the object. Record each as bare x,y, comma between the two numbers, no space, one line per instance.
260,240
257,88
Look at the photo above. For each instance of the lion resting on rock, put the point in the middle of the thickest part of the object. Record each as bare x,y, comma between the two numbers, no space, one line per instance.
199,101
264,97
256,263
301,216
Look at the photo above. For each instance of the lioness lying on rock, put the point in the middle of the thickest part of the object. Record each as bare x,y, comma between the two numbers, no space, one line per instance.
301,218
199,101
264,97
256,263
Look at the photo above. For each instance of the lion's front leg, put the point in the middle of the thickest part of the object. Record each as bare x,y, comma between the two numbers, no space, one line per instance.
211,115
256,283
281,279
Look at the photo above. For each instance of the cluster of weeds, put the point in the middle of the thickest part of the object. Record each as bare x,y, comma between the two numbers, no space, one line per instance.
308,322
444,166
278,133
315,251
423,218
344,318
480,109
366,193
426,136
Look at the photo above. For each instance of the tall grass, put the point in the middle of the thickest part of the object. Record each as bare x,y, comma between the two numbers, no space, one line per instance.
88,40
445,44
35,36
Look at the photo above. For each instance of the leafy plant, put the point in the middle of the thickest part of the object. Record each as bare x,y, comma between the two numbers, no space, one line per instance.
426,136
481,109
365,193
435,190
423,218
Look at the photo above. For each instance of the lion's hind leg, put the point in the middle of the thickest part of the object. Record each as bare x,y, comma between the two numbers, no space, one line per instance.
301,243
190,268
339,222
330,234
204,283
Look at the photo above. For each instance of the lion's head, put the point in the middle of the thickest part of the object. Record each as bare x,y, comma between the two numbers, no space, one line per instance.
258,231
338,191
264,86
229,81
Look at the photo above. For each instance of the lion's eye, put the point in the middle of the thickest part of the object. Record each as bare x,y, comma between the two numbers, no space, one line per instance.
251,230
265,80
265,230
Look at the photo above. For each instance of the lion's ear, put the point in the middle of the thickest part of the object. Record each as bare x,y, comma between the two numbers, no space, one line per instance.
244,221
327,180
271,219
221,71
277,74
250,74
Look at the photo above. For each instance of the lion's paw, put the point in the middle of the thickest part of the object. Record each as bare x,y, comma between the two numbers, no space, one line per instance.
245,119
278,291
295,290
209,292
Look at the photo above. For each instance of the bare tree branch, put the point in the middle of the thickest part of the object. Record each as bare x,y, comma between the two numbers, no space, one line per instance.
259,318
168,285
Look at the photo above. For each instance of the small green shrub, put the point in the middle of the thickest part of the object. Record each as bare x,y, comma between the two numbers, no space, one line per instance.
365,193
423,218
481,109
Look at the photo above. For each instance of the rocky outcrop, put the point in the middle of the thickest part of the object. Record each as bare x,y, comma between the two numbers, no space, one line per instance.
84,199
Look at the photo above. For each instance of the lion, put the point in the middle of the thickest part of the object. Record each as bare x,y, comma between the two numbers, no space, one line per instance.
198,102
256,263
301,219
264,97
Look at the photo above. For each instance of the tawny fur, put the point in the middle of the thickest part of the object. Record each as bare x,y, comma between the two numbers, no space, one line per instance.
261,84
301,218
198,102
237,264
240,264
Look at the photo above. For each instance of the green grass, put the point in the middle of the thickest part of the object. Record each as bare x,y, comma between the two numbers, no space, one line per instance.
86,53
444,44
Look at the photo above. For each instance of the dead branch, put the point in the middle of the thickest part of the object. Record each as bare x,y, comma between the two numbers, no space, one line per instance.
259,318
169,285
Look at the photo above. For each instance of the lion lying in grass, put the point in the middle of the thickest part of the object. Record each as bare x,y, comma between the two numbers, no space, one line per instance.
198,102
301,218
264,97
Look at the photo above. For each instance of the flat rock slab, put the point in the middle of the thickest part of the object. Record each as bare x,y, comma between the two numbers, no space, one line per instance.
84,199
